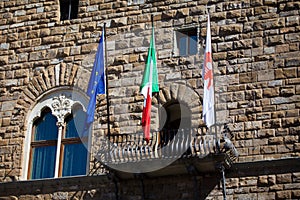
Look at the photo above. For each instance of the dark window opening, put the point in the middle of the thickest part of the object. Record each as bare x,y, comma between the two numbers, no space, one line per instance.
178,119
187,42
68,9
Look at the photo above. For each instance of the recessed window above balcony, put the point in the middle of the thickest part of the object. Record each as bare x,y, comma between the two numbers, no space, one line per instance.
186,42
68,9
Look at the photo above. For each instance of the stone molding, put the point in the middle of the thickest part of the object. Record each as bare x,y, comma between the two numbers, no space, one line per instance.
184,94
49,79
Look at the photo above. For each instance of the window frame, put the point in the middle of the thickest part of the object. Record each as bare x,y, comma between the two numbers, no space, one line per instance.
181,33
39,143
75,98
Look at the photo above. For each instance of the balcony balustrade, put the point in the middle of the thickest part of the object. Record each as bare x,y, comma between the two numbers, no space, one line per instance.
166,144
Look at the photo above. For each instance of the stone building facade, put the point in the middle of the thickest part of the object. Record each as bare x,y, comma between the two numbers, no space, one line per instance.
46,54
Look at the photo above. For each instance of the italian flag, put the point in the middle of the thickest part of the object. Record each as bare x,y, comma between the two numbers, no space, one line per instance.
148,86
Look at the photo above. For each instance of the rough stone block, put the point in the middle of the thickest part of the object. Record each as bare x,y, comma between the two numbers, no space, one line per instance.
269,149
3,60
296,194
262,181
51,39
284,148
283,178
246,196
291,62
123,44
280,100
272,179
283,194
183,12
5,121
231,29
292,21
58,31
276,140
248,77
266,195
88,48
287,91
292,37
279,74
20,12
270,92
253,125
243,44
296,177
269,50
275,39
269,24
121,59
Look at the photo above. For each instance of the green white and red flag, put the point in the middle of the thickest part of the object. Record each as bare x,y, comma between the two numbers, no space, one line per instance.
149,85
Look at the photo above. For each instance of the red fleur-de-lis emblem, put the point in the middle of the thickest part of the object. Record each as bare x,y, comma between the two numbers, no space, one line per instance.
208,73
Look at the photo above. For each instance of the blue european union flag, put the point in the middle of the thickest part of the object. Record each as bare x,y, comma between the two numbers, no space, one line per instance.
97,81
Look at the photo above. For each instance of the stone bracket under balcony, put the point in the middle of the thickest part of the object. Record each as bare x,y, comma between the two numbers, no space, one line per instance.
193,165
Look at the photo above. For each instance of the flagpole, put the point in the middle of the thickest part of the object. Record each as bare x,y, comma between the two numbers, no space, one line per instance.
215,125
157,94
106,82
149,86
214,88
152,21
215,112
214,85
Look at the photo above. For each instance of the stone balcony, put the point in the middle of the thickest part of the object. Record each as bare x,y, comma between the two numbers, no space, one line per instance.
167,152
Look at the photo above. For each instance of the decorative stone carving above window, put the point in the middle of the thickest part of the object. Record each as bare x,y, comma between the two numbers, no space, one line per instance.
61,107
60,103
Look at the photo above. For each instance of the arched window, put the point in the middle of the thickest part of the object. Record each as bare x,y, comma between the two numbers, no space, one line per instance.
178,118
43,146
57,142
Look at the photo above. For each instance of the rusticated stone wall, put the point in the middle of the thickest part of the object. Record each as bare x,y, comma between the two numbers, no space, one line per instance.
273,186
256,58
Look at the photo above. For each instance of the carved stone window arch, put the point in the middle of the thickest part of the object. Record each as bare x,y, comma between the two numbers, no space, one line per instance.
62,105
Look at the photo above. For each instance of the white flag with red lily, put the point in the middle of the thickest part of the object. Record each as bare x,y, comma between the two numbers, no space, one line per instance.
148,86
208,99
